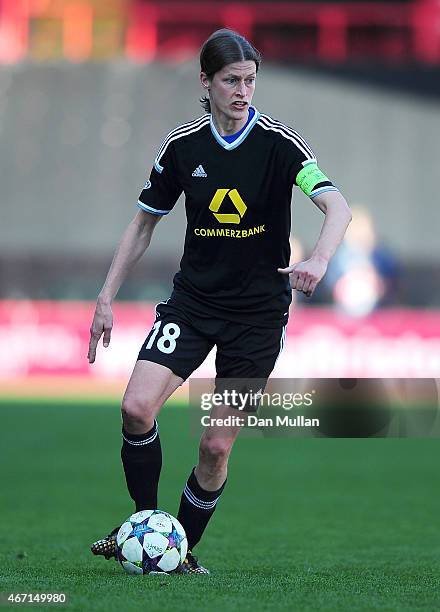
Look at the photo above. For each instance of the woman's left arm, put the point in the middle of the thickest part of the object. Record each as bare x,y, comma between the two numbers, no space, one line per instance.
305,276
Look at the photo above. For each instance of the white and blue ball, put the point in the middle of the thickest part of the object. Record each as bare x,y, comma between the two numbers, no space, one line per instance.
151,541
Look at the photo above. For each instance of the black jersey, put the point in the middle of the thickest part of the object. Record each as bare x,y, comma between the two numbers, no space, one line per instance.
237,204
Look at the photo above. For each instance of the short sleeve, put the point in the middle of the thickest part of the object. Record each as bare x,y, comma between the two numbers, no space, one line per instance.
301,165
162,189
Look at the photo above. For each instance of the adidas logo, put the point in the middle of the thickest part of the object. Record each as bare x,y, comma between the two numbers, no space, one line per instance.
199,171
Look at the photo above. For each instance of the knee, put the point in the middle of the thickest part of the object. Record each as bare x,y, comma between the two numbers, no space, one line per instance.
214,451
137,414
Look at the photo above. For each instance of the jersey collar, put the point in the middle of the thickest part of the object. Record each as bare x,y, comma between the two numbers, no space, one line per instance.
232,145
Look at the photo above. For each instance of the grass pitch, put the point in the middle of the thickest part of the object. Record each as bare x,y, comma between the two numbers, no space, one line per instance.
304,524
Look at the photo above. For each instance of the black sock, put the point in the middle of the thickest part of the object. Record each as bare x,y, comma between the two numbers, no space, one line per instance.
196,508
142,460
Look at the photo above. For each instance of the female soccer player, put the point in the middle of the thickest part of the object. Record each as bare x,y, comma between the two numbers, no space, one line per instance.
237,168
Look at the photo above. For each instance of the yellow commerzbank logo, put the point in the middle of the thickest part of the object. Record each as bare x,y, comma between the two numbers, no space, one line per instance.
234,218
236,200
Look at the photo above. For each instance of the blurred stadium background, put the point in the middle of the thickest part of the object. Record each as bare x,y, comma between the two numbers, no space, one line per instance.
88,89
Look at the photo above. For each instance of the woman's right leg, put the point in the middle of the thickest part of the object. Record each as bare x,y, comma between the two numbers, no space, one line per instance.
150,385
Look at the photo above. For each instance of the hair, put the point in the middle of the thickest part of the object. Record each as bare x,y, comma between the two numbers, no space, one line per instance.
224,47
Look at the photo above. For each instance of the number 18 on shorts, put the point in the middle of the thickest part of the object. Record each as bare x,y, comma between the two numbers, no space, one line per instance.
182,342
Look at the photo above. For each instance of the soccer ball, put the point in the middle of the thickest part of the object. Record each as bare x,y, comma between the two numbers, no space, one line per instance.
151,541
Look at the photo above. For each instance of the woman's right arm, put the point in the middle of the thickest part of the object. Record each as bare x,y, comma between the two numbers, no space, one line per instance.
133,244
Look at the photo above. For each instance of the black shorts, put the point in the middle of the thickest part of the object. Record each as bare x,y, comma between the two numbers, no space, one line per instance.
181,342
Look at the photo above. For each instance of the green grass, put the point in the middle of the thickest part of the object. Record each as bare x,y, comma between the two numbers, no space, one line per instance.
304,524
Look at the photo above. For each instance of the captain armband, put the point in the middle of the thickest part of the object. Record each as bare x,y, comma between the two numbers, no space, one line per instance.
309,177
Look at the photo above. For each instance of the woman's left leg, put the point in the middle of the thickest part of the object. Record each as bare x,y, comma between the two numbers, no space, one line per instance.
207,480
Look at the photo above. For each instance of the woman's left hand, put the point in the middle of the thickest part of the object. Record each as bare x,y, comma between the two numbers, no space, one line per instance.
305,275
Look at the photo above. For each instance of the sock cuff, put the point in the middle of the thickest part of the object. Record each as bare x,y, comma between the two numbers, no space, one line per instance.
141,439
205,500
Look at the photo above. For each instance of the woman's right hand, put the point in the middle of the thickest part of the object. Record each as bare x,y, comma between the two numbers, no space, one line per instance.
102,324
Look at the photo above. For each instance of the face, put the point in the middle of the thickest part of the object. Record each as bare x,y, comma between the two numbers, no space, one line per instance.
231,89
